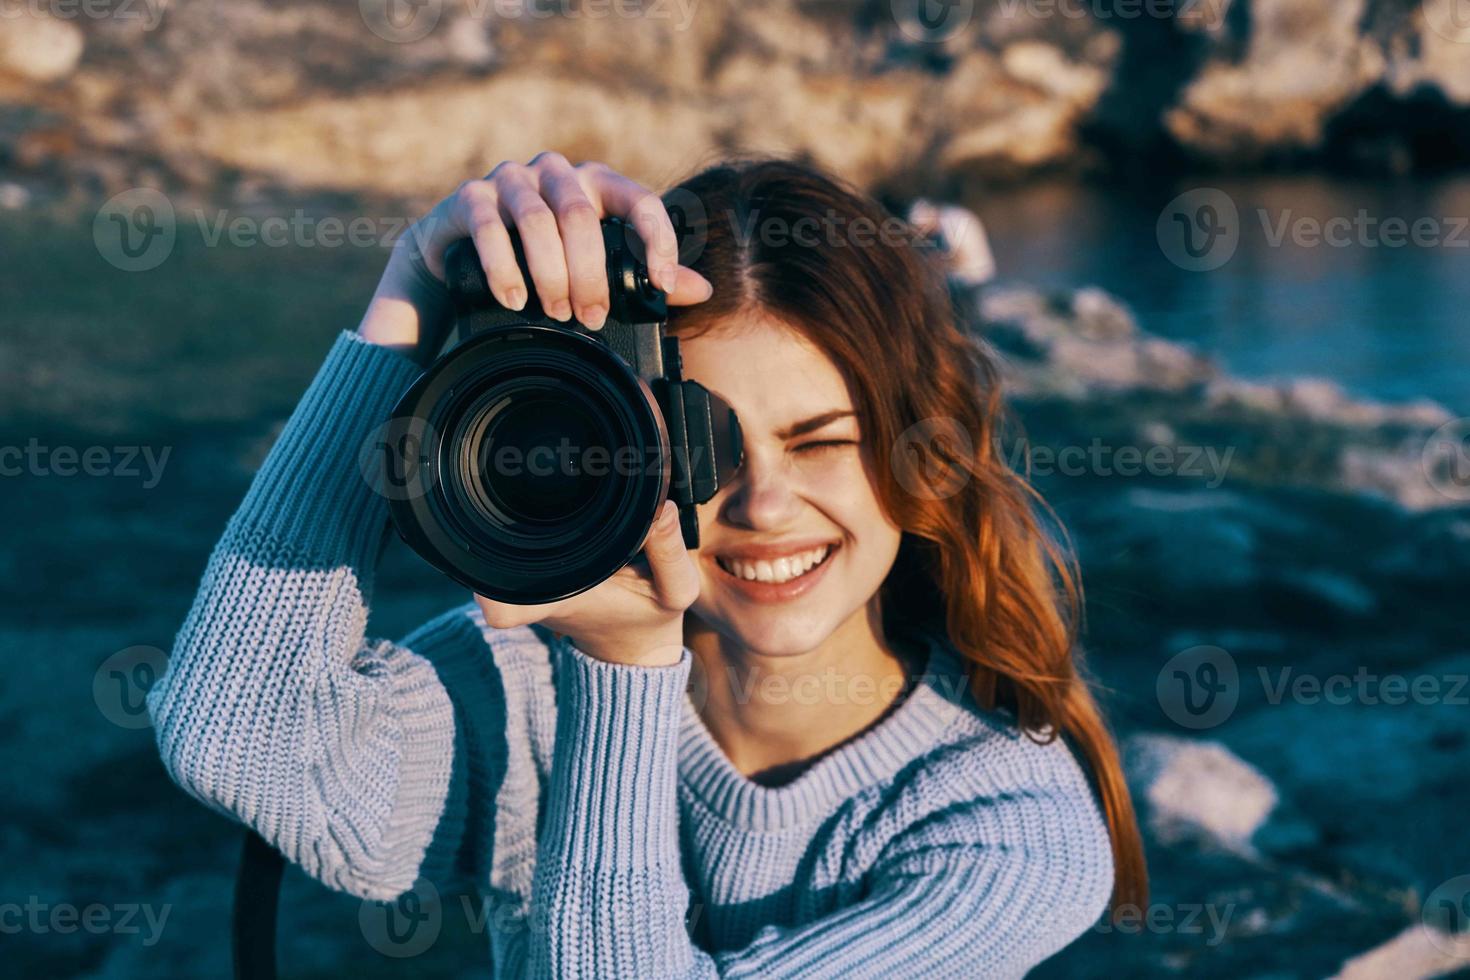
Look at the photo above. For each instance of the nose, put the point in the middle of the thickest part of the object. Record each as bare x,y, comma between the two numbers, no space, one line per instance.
762,495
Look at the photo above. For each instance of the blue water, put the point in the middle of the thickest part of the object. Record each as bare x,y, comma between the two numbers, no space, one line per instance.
1386,322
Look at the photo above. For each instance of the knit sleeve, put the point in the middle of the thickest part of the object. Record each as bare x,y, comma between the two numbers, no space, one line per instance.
343,752
987,886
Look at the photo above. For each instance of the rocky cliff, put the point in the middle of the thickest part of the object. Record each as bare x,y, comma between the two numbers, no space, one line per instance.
388,96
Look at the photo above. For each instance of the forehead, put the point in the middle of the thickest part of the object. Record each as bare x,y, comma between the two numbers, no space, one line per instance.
770,374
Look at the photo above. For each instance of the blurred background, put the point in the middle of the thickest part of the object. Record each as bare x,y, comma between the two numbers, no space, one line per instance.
1221,244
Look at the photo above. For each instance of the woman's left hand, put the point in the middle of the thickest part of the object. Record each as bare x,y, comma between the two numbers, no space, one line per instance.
636,617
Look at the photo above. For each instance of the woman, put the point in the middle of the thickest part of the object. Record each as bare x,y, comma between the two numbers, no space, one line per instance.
824,744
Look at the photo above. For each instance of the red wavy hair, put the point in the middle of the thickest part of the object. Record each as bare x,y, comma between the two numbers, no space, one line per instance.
792,241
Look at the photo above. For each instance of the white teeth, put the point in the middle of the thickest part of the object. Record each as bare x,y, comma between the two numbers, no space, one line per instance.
780,570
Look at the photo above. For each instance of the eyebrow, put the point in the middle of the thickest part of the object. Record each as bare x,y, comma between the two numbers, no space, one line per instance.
813,424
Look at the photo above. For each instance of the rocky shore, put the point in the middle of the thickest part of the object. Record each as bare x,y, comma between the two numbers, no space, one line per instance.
1300,553
1297,555
1304,820
230,100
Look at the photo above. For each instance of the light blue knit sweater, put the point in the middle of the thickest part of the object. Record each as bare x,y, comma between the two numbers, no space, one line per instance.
587,802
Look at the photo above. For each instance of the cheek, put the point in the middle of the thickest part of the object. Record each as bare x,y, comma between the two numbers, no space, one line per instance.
847,495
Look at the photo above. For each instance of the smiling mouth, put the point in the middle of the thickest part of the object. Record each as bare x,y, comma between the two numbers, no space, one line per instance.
788,568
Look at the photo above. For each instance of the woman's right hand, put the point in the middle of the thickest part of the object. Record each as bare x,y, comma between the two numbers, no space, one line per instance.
556,209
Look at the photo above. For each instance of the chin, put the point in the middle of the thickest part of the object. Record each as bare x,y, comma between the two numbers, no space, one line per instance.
782,629
770,634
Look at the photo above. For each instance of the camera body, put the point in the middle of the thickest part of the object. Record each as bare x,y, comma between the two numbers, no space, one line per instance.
532,457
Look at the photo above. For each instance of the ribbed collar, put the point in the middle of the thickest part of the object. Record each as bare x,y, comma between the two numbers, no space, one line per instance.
905,733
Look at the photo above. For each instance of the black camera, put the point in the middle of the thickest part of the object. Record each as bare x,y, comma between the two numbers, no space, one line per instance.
530,460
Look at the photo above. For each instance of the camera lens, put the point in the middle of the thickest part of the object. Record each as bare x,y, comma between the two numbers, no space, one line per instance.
548,460
532,454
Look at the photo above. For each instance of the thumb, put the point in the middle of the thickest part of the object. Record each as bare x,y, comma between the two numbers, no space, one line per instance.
675,580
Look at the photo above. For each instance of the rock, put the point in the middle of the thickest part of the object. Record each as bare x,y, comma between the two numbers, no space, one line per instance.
1198,790
1100,316
13,197
1352,737
1080,344
1341,593
1304,59
1397,474
37,47
1417,953
1015,92
961,236
469,41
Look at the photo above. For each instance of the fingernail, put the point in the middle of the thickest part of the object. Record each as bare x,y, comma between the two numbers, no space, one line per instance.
708,290
593,317
669,516
560,310
668,277
515,298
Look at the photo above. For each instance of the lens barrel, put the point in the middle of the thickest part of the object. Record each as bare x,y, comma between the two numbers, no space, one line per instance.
529,461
